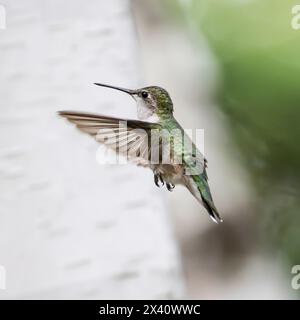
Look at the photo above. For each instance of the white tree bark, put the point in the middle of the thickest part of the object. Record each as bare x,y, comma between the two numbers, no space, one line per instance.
69,227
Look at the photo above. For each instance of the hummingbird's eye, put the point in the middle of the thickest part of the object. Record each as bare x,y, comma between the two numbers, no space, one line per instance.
144,94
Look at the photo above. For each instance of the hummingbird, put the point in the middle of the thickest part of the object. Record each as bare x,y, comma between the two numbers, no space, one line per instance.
132,138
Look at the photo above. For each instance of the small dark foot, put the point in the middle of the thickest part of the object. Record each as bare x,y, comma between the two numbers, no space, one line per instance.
158,180
170,186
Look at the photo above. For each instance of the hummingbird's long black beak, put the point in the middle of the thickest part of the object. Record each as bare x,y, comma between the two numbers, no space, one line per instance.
131,92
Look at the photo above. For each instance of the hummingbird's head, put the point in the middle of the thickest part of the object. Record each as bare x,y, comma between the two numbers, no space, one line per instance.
154,103
155,99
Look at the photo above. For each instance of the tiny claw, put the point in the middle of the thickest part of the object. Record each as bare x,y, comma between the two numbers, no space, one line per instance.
170,186
158,180
161,180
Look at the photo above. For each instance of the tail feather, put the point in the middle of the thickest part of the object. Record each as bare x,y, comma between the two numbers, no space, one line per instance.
212,211
199,188
207,199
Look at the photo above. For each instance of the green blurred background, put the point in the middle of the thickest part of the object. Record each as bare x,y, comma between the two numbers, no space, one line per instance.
235,66
258,53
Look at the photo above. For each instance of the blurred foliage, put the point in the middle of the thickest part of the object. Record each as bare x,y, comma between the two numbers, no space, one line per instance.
259,55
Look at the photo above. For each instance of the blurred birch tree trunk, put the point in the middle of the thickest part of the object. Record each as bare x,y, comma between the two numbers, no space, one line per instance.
71,228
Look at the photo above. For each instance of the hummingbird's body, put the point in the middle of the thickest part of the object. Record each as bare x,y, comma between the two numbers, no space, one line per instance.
152,139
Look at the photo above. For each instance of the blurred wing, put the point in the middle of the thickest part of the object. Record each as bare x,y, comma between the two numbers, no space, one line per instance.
130,138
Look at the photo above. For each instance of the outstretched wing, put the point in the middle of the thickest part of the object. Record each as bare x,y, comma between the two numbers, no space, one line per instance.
130,138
